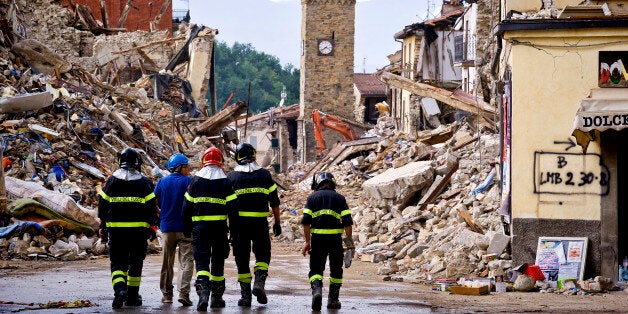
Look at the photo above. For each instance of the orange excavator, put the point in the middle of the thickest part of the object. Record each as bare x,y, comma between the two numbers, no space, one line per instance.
321,120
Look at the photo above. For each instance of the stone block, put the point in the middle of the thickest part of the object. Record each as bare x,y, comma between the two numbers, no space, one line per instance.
376,258
524,283
498,244
404,251
400,161
467,238
399,184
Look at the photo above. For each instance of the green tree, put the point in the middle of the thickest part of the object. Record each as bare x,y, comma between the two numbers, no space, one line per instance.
241,64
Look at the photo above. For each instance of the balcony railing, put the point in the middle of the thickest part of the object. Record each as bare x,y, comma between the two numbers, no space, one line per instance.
464,49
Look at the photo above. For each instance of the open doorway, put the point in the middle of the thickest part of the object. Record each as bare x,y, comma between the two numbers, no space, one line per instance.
614,216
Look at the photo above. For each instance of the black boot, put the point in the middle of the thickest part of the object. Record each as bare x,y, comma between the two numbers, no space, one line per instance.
258,286
120,295
218,288
334,293
134,298
317,294
202,289
245,292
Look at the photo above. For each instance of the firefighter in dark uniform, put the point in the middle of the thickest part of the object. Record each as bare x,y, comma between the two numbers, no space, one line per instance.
325,217
208,202
127,211
256,190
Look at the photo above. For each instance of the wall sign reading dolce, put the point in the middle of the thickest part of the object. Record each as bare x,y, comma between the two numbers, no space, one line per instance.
604,120
570,173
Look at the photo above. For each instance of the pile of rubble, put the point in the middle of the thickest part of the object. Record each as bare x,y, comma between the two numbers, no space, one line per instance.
423,211
424,207
71,99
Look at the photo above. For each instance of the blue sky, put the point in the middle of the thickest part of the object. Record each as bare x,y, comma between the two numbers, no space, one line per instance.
274,26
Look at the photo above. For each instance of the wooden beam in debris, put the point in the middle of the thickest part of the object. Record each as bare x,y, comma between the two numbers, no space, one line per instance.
145,57
442,95
96,84
153,43
465,143
181,135
85,15
164,7
343,150
280,183
467,218
215,123
436,188
125,12
103,13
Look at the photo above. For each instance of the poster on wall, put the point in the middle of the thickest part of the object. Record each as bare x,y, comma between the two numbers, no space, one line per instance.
561,257
612,69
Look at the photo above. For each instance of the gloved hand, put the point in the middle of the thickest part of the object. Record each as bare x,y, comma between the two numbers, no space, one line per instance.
151,233
103,233
306,248
277,228
349,250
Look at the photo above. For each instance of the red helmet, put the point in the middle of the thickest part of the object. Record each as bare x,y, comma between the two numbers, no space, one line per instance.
212,156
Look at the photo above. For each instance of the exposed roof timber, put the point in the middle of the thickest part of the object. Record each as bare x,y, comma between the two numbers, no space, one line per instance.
520,25
450,98
447,19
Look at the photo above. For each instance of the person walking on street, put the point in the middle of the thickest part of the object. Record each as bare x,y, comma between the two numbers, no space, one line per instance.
169,194
127,211
325,216
256,190
208,202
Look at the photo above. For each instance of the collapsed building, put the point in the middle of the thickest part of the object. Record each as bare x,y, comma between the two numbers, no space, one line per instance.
428,183
74,95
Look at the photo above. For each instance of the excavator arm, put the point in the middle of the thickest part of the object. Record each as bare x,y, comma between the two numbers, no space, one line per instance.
322,120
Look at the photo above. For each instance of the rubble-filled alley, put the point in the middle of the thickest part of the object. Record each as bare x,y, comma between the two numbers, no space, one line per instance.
428,203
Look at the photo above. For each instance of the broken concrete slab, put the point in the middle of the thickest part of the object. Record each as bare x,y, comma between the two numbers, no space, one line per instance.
200,71
25,102
498,244
41,58
398,185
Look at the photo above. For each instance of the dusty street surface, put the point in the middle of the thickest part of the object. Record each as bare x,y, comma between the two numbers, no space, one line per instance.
363,291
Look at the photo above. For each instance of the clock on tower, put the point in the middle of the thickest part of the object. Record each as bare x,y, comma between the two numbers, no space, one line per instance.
327,41
325,47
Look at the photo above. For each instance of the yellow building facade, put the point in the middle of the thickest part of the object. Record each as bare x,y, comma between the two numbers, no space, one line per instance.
557,189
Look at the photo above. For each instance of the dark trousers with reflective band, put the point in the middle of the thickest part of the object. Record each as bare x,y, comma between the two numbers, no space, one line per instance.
209,244
127,250
324,245
257,235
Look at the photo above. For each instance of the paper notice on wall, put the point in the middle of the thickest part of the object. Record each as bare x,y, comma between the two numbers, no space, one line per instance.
574,252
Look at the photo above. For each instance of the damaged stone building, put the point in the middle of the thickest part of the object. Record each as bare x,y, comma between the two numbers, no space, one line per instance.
563,74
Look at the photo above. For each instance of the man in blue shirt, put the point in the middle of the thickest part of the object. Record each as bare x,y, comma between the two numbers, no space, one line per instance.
169,193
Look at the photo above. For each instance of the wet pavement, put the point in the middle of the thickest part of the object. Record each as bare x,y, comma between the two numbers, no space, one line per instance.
287,288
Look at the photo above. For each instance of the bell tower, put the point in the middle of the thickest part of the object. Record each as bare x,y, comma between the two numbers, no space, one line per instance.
327,38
